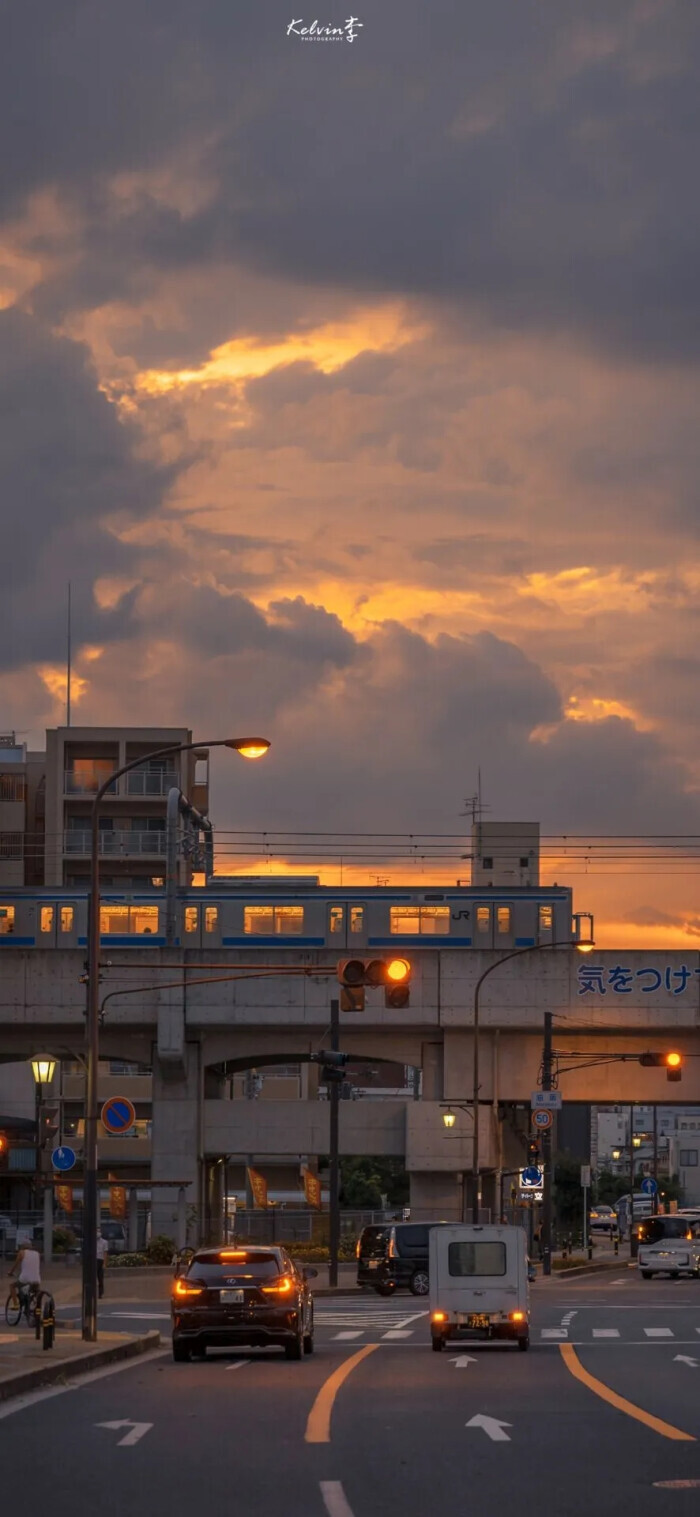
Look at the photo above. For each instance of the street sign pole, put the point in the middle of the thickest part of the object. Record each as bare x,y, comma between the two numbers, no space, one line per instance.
547,1153
334,1166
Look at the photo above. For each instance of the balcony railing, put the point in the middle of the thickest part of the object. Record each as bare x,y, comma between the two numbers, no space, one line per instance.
147,783
125,845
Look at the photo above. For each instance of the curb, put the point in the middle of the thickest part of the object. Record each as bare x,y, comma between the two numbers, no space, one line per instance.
586,1269
93,1359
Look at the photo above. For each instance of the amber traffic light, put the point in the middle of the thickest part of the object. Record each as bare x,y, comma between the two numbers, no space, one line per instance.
355,974
672,1062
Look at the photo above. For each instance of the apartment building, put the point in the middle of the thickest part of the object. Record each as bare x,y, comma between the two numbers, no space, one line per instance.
22,786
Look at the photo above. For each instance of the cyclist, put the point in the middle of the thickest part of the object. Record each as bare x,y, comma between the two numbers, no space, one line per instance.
28,1263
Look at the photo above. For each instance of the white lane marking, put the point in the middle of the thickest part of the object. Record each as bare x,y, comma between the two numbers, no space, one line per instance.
141,1316
335,1500
565,1321
554,1332
345,1337
628,1342
398,1332
685,1359
416,1316
138,1431
494,1429
606,1332
463,1361
658,1332
21,1403
239,1364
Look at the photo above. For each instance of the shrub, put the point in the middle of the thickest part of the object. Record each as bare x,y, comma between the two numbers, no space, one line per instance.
160,1250
63,1239
127,1261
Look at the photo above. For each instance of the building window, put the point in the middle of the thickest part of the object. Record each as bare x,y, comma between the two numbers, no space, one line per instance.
483,918
546,918
211,918
87,774
67,917
46,919
503,920
273,921
335,918
10,845
689,1158
524,861
357,919
13,787
191,918
7,920
427,920
139,921
487,863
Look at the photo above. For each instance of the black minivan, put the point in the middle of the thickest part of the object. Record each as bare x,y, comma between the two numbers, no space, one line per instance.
394,1256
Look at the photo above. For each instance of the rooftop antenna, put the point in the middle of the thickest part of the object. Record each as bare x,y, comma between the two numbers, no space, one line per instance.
68,663
475,808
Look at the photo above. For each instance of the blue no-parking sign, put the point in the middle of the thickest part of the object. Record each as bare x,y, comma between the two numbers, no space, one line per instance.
118,1115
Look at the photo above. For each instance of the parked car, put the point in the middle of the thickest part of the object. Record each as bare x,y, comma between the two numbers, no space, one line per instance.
115,1235
394,1257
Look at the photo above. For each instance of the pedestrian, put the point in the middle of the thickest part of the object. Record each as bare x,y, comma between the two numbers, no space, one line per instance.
28,1264
102,1251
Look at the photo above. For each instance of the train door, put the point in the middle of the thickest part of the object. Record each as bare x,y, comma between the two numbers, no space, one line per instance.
483,934
46,936
336,925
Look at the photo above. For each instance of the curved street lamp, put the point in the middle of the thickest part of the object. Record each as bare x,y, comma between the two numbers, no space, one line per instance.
248,748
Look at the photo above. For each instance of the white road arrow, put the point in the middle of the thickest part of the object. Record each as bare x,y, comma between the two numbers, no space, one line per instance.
684,1359
462,1362
137,1431
491,1426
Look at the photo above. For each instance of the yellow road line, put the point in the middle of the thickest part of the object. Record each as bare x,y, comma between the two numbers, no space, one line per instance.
318,1427
575,1367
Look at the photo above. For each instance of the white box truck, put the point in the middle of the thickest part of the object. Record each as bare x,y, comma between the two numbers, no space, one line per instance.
479,1284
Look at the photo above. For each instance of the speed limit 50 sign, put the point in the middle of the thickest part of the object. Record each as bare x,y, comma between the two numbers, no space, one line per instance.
542,1119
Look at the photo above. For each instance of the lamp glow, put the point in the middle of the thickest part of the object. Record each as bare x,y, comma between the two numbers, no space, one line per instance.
43,1067
249,747
449,1118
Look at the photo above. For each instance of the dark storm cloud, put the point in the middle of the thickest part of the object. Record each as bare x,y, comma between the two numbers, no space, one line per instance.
68,465
533,161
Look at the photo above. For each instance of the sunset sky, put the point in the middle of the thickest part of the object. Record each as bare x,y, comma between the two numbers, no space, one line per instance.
355,388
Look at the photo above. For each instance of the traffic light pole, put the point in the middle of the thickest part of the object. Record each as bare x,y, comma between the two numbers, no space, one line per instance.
334,1182
547,1152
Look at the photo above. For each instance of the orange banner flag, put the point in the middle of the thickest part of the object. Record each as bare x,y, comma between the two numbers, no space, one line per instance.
64,1197
117,1202
312,1188
258,1185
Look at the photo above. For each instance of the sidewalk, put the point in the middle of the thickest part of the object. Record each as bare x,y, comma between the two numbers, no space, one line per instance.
155,1284
26,1365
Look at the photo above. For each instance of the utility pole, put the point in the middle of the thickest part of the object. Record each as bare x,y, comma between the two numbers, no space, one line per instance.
655,1160
334,1179
631,1182
547,1152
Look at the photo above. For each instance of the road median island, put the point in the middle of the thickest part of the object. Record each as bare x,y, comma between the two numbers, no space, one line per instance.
25,1367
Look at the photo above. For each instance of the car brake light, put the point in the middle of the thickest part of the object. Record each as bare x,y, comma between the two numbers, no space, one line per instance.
181,1289
357,1249
233,1253
280,1288
393,1250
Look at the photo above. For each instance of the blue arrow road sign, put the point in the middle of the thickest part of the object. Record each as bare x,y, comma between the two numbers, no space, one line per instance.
649,1186
63,1158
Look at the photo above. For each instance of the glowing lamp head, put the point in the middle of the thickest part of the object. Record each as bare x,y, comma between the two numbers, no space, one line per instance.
43,1067
449,1118
249,747
398,971
674,1060
585,947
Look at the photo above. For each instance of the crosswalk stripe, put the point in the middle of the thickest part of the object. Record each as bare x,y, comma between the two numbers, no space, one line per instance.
606,1332
345,1337
399,1332
658,1332
554,1332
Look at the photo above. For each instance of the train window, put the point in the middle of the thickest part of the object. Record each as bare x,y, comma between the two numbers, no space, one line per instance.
429,920
357,918
46,919
483,918
546,918
211,918
7,920
191,918
335,918
503,919
67,918
268,921
139,920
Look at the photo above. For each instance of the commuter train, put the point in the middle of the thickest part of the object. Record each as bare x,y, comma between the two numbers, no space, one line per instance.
276,913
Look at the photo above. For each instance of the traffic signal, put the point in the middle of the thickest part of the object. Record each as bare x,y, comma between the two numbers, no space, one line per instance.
672,1062
533,1152
48,1124
332,1066
4,1150
355,974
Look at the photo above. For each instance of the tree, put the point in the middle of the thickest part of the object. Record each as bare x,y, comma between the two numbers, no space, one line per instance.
567,1193
364,1181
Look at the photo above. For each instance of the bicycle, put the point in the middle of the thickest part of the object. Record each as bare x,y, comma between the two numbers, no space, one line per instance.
27,1297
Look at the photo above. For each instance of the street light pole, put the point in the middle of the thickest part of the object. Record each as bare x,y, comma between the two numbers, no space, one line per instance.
248,748
334,1165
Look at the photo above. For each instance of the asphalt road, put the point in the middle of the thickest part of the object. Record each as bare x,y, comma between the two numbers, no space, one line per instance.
602,1410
